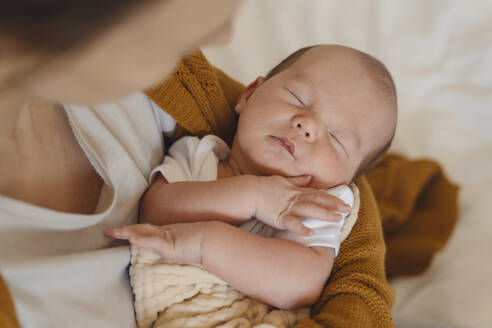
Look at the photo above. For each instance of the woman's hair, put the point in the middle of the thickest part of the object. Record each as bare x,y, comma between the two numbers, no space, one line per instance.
52,26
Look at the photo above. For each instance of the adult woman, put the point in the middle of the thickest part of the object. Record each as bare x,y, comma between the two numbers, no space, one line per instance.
66,174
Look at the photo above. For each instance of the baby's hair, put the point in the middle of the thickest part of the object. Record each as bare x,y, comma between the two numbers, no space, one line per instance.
382,78
287,61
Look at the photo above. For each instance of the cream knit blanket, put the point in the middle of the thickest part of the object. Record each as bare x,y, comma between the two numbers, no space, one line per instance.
178,296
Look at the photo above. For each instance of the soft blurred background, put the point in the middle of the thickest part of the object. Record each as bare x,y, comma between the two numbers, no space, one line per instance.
440,55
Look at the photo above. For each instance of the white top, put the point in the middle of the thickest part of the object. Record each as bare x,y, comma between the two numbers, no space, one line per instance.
60,269
194,159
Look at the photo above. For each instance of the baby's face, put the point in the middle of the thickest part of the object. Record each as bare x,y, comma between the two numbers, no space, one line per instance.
321,116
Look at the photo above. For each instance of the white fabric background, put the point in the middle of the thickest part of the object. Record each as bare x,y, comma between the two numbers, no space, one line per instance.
440,55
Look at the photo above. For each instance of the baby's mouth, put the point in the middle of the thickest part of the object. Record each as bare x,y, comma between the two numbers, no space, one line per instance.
285,143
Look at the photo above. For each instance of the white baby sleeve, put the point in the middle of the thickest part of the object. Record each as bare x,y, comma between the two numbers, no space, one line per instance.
192,159
327,234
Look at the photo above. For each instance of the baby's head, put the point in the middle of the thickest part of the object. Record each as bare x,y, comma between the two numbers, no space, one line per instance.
328,111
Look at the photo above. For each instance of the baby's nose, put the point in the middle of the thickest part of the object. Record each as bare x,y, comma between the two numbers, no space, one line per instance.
305,126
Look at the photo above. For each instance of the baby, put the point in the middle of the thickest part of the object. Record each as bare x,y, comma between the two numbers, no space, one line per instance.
319,119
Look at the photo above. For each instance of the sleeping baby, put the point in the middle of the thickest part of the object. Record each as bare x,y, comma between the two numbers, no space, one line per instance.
264,219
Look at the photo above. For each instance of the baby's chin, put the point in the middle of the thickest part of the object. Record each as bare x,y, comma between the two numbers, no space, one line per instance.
317,183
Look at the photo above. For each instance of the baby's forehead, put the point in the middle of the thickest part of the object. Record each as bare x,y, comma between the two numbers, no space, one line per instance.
300,77
326,72
332,66
325,54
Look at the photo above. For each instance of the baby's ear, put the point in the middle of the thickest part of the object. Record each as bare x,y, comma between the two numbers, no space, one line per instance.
248,91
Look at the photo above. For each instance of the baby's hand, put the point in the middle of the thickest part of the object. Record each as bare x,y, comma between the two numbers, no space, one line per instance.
177,243
284,202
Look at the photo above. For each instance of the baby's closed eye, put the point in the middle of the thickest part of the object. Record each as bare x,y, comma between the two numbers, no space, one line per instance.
295,96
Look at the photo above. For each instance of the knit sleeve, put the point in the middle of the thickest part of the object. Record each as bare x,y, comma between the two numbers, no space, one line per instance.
8,318
232,88
357,293
418,206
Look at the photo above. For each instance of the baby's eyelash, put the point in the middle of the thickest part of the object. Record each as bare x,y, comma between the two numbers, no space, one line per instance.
338,141
299,99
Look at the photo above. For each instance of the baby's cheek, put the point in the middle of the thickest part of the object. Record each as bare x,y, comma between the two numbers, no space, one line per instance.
330,174
266,162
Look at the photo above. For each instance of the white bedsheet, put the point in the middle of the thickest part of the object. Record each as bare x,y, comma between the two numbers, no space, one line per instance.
440,55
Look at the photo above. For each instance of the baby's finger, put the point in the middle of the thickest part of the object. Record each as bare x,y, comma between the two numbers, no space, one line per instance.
326,200
153,242
118,233
294,224
314,211
133,230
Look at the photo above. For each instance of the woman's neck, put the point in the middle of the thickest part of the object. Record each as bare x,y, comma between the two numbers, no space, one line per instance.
42,162
29,121
30,128
12,103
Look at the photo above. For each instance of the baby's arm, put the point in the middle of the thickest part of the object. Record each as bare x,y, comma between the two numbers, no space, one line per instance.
192,201
277,201
279,272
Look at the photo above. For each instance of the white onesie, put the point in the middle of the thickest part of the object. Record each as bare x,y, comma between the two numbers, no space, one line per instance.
194,159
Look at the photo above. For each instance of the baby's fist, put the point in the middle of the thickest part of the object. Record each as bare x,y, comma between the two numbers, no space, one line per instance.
283,203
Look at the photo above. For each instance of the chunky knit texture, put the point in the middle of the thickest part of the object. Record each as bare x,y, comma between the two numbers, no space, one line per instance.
417,207
8,317
201,98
